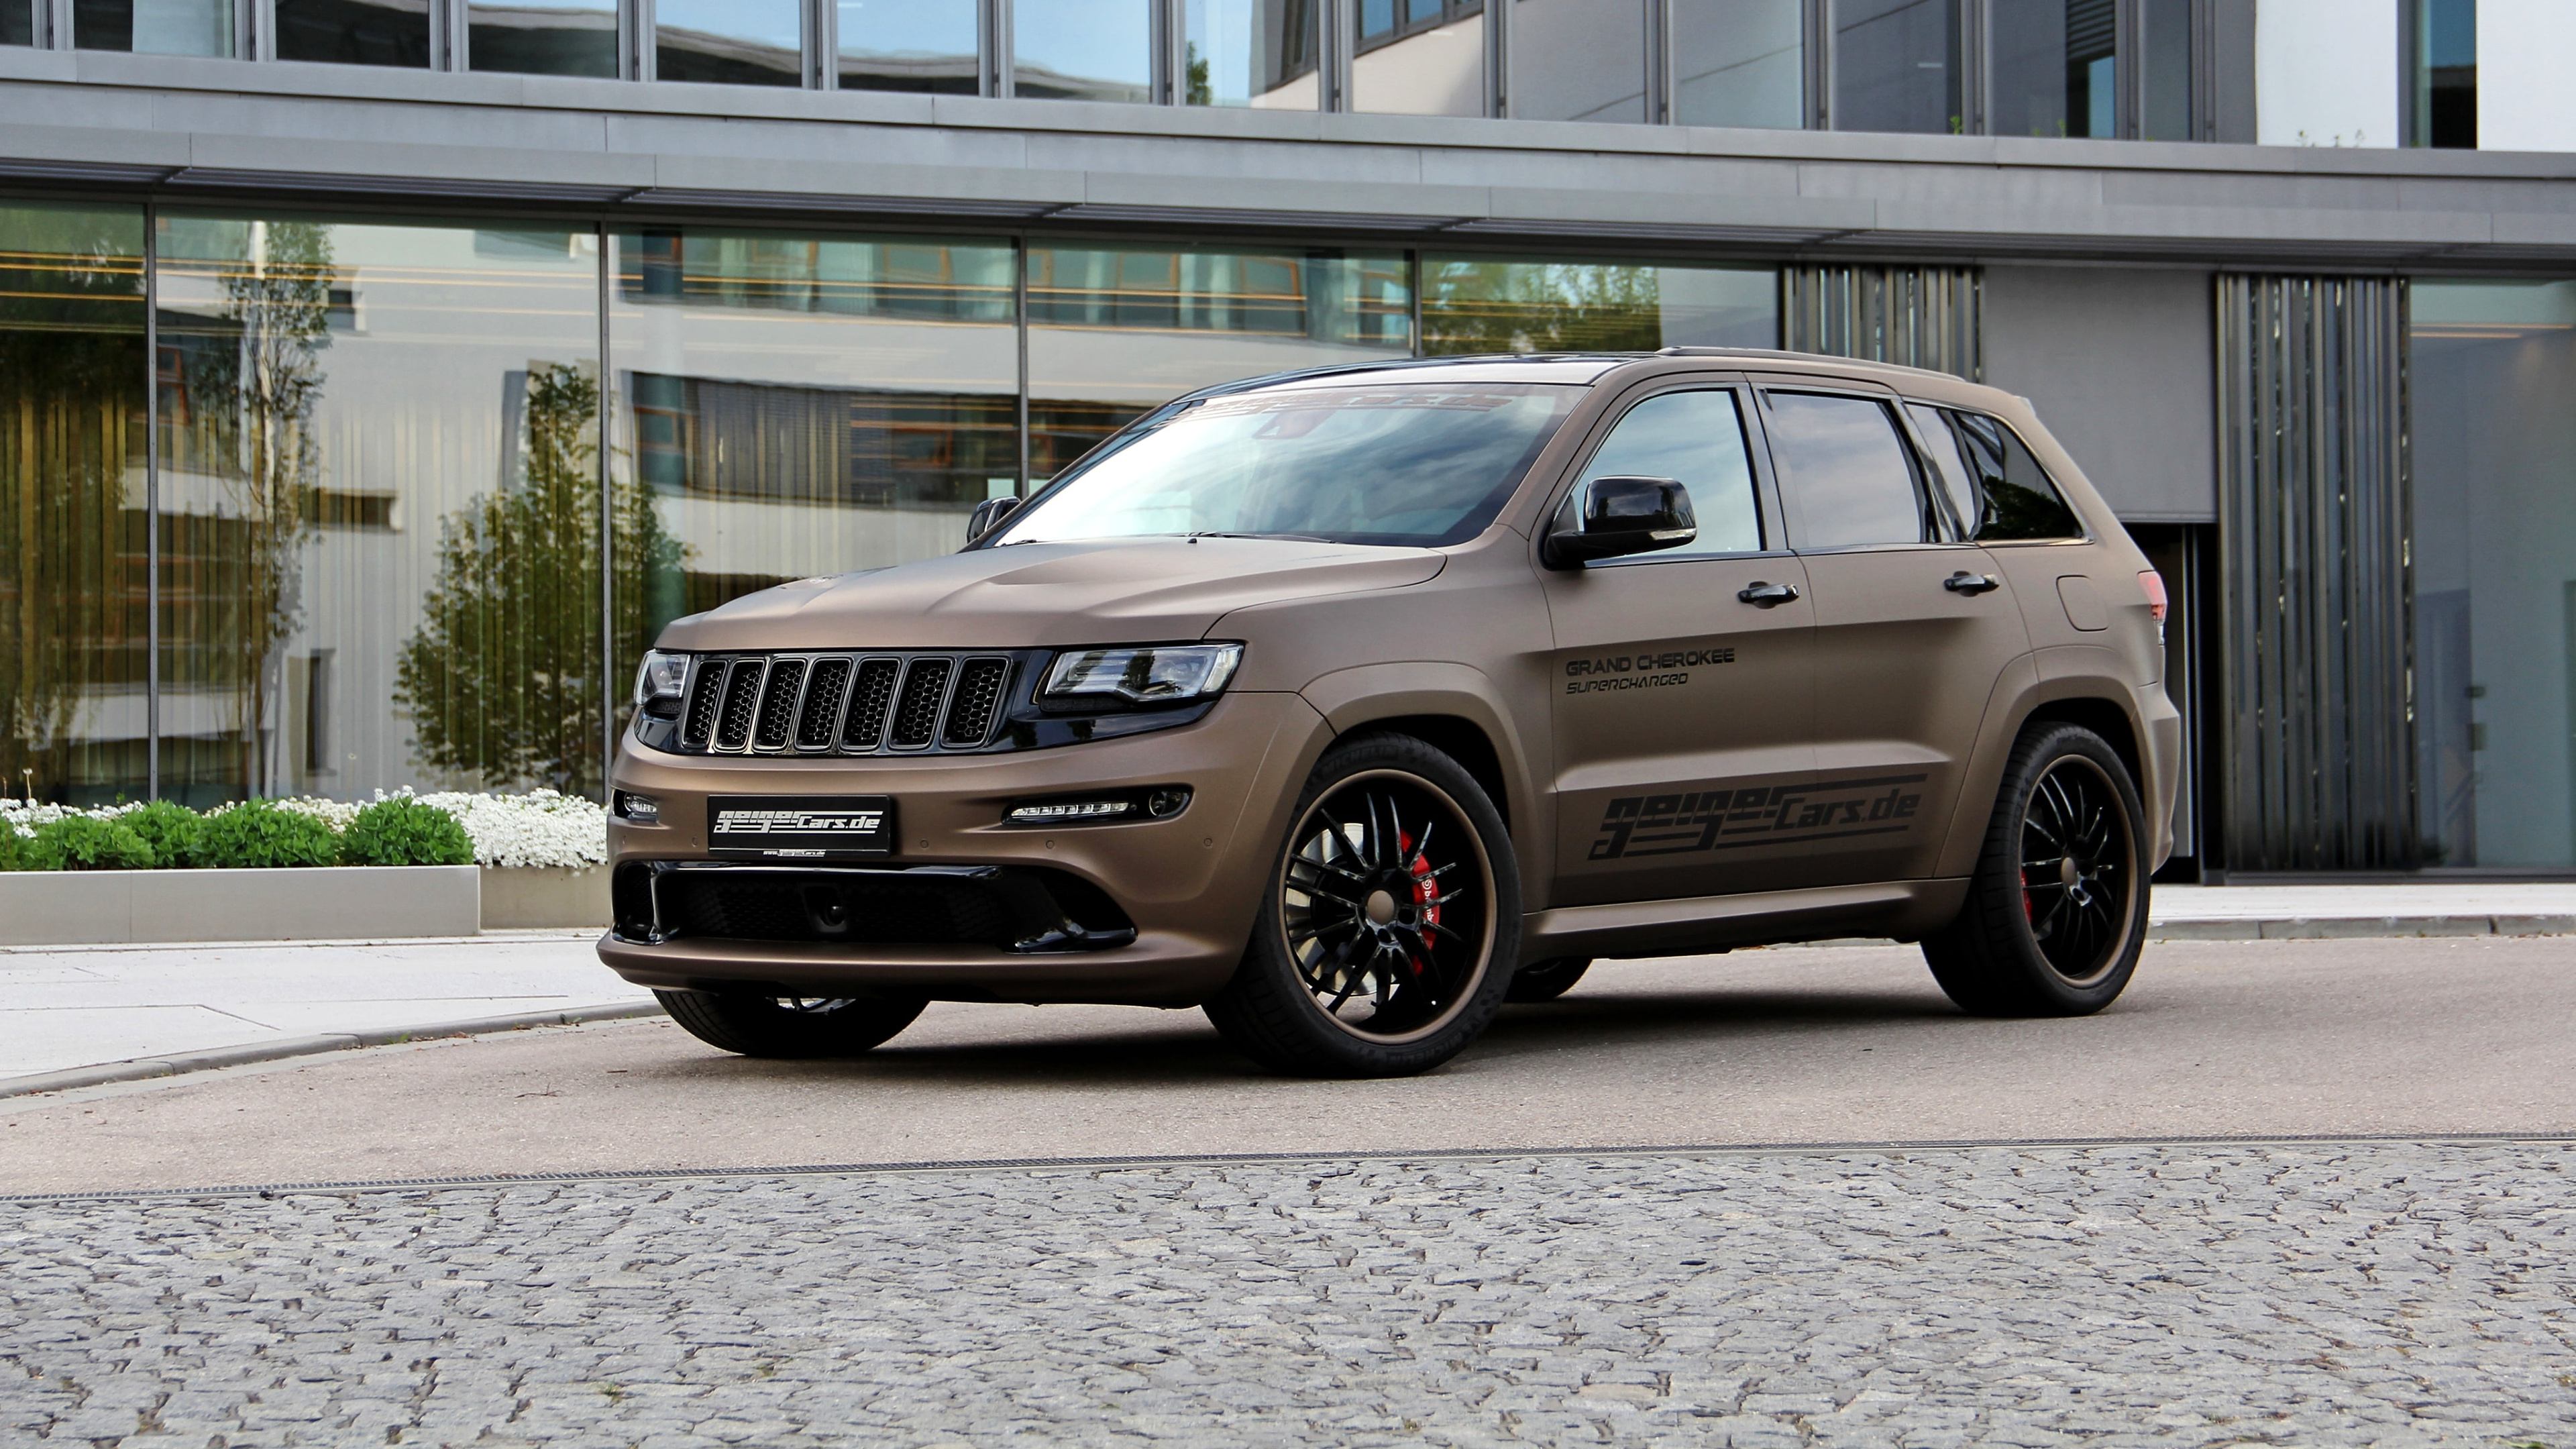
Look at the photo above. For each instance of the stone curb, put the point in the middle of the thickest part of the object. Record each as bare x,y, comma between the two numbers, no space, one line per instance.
176,1063
2356,928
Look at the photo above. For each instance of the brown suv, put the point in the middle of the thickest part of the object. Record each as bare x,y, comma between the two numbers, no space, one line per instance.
1350,704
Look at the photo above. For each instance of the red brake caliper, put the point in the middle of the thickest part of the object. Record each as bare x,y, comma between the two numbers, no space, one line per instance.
1425,891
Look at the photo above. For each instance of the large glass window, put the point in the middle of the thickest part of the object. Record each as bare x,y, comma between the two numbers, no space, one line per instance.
1696,439
791,404
2494,539
380,515
2054,67
17,22
1420,57
1523,304
72,499
1083,50
1251,53
1896,66
729,42
1578,60
354,32
2442,46
543,37
908,45
154,27
1114,331
2165,56
1740,63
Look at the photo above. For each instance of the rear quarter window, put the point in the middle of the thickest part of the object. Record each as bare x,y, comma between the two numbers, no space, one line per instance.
2013,495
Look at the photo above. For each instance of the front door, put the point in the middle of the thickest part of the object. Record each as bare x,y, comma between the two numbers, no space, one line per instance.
1913,631
1682,706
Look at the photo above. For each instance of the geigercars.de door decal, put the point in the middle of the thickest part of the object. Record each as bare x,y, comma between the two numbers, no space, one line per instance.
1720,816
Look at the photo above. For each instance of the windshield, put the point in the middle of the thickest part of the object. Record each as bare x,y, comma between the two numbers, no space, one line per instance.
1390,464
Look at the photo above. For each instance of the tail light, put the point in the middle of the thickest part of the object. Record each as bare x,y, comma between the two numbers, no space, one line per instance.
2154,584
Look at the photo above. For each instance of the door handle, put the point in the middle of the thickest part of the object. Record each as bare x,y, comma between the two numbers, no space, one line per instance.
1767,596
1964,582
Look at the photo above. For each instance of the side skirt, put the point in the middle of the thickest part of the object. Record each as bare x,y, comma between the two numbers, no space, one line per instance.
1904,909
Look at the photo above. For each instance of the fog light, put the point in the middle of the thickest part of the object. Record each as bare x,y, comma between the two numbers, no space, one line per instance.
642,809
1071,812
1166,803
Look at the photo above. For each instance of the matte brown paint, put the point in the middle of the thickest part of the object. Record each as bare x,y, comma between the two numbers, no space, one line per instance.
1875,674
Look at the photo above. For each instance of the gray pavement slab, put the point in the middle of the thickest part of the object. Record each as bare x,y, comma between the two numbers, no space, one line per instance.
2442,1036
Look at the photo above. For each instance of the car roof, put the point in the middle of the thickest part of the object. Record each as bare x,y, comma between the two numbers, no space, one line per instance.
1580,369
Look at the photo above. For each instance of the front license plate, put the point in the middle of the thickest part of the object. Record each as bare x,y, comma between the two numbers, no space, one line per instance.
801,827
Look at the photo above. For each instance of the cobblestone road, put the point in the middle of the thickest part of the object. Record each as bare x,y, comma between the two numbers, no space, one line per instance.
2351,1293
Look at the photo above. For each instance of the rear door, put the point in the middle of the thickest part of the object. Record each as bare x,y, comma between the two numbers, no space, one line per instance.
1681,708
1914,627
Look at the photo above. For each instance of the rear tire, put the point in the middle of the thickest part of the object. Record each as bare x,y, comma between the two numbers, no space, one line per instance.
791,1028
2057,909
1389,918
1547,980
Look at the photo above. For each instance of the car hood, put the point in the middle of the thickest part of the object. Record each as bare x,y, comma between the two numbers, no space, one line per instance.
1044,594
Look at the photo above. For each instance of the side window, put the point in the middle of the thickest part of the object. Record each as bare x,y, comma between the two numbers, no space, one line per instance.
1952,478
1696,438
2018,498
1844,471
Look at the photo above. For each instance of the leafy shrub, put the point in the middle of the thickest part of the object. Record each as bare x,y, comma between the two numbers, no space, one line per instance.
170,828
86,842
11,844
402,831
257,835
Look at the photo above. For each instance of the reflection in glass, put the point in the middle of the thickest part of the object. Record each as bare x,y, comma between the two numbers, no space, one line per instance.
154,27
1251,53
908,45
380,507
1843,471
729,42
1488,304
2494,526
1420,58
1114,331
17,24
798,405
2055,67
1896,66
2165,52
1578,60
1696,439
2442,37
72,561
1740,63
1083,50
532,37
354,32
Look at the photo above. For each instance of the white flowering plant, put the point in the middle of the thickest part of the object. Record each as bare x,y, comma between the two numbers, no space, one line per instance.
538,828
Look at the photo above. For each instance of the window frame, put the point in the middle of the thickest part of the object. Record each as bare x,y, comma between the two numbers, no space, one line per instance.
1929,513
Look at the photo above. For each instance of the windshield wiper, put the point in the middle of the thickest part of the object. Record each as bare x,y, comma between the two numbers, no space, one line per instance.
1291,537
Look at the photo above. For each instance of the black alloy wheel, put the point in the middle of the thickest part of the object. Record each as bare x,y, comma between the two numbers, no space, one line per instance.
1393,914
791,1027
2056,911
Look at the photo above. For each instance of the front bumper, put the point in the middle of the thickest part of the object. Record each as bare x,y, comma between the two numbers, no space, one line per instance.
1190,884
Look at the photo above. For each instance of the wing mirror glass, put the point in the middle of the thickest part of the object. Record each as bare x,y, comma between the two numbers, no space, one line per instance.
988,515
1615,516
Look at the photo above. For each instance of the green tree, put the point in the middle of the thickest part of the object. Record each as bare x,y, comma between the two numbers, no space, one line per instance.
1474,307
505,675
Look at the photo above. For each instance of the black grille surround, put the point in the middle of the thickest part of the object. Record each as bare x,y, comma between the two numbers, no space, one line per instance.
838,703
1020,909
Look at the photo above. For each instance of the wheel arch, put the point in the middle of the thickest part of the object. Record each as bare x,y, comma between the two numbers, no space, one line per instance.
2052,686
1455,710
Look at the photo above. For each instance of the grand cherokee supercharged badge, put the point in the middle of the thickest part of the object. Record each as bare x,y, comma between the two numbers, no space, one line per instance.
801,827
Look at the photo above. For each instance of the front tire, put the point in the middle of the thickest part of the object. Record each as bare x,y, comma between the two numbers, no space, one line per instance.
1389,921
789,1028
2057,909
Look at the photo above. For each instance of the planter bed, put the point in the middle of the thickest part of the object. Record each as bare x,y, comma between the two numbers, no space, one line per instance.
110,907
525,897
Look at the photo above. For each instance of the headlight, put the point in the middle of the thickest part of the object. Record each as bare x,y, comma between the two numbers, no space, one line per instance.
1146,674
659,682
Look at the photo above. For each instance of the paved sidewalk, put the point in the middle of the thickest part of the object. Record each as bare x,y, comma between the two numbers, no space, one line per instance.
80,1006
74,1007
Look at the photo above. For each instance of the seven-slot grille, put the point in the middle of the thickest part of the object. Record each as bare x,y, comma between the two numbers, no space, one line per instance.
851,704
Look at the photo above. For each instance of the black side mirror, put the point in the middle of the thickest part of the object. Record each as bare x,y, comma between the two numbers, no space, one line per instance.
1612,517
988,515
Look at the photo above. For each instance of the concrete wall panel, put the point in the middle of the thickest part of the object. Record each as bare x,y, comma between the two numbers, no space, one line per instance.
2118,364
